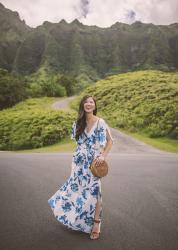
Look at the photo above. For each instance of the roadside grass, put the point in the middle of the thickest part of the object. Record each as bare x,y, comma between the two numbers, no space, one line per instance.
65,145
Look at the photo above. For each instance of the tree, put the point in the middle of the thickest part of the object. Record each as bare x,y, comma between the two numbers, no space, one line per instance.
13,89
69,83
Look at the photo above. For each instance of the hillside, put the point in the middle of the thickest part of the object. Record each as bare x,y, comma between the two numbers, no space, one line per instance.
33,123
144,101
88,52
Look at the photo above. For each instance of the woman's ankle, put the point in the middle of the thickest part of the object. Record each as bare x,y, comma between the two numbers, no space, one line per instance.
98,220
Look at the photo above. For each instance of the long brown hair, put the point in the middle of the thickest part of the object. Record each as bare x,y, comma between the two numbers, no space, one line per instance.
81,119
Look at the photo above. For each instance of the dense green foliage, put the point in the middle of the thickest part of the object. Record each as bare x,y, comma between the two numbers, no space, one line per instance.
85,52
31,125
13,89
48,84
42,84
12,34
144,101
68,83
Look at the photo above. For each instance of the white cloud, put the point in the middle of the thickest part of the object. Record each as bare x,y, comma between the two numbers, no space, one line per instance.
102,13
35,12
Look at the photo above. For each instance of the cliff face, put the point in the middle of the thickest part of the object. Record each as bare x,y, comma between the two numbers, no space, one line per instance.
79,49
12,34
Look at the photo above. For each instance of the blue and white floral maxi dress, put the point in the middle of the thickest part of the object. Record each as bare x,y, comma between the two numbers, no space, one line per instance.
75,202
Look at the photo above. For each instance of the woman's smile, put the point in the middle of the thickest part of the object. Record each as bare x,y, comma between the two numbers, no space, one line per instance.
89,104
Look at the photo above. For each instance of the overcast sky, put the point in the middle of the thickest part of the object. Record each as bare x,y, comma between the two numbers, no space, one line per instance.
102,13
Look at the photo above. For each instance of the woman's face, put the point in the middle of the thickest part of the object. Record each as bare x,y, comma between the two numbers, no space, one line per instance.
89,105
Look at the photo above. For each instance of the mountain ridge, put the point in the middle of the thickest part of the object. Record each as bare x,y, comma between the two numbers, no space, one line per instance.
85,51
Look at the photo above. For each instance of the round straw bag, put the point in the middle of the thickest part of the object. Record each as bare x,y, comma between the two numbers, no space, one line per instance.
99,170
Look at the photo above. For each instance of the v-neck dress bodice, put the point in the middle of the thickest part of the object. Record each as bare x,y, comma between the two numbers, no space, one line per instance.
91,129
75,201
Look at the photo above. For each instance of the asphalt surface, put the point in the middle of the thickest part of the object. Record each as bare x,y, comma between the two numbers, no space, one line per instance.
140,202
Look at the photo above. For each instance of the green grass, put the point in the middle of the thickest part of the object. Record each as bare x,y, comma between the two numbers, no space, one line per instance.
65,145
163,143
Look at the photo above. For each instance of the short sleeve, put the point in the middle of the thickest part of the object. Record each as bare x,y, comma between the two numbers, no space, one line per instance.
102,135
73,131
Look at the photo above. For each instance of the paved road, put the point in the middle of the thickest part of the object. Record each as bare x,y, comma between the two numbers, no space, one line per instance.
126,144
140,203
62,104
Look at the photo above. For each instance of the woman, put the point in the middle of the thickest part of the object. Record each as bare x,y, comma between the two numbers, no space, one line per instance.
78,203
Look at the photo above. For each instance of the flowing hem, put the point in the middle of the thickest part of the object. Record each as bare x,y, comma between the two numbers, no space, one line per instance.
69,226
74,226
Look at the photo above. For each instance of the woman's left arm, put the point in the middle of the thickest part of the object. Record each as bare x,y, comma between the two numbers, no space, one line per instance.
107,148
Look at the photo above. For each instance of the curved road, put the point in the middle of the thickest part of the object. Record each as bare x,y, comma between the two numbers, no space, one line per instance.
140,200
62,104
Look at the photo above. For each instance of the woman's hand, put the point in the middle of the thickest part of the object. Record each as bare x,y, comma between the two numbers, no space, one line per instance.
100,159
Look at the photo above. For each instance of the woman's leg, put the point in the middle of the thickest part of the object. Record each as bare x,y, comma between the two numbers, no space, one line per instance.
97,216
98,209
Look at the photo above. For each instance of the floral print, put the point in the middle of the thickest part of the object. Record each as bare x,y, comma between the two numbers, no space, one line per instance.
75,201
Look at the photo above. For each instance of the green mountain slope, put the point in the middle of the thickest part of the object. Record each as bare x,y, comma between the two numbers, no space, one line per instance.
81,50
12,32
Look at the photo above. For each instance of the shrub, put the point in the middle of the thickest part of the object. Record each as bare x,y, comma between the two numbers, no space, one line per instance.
139,101
28,126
